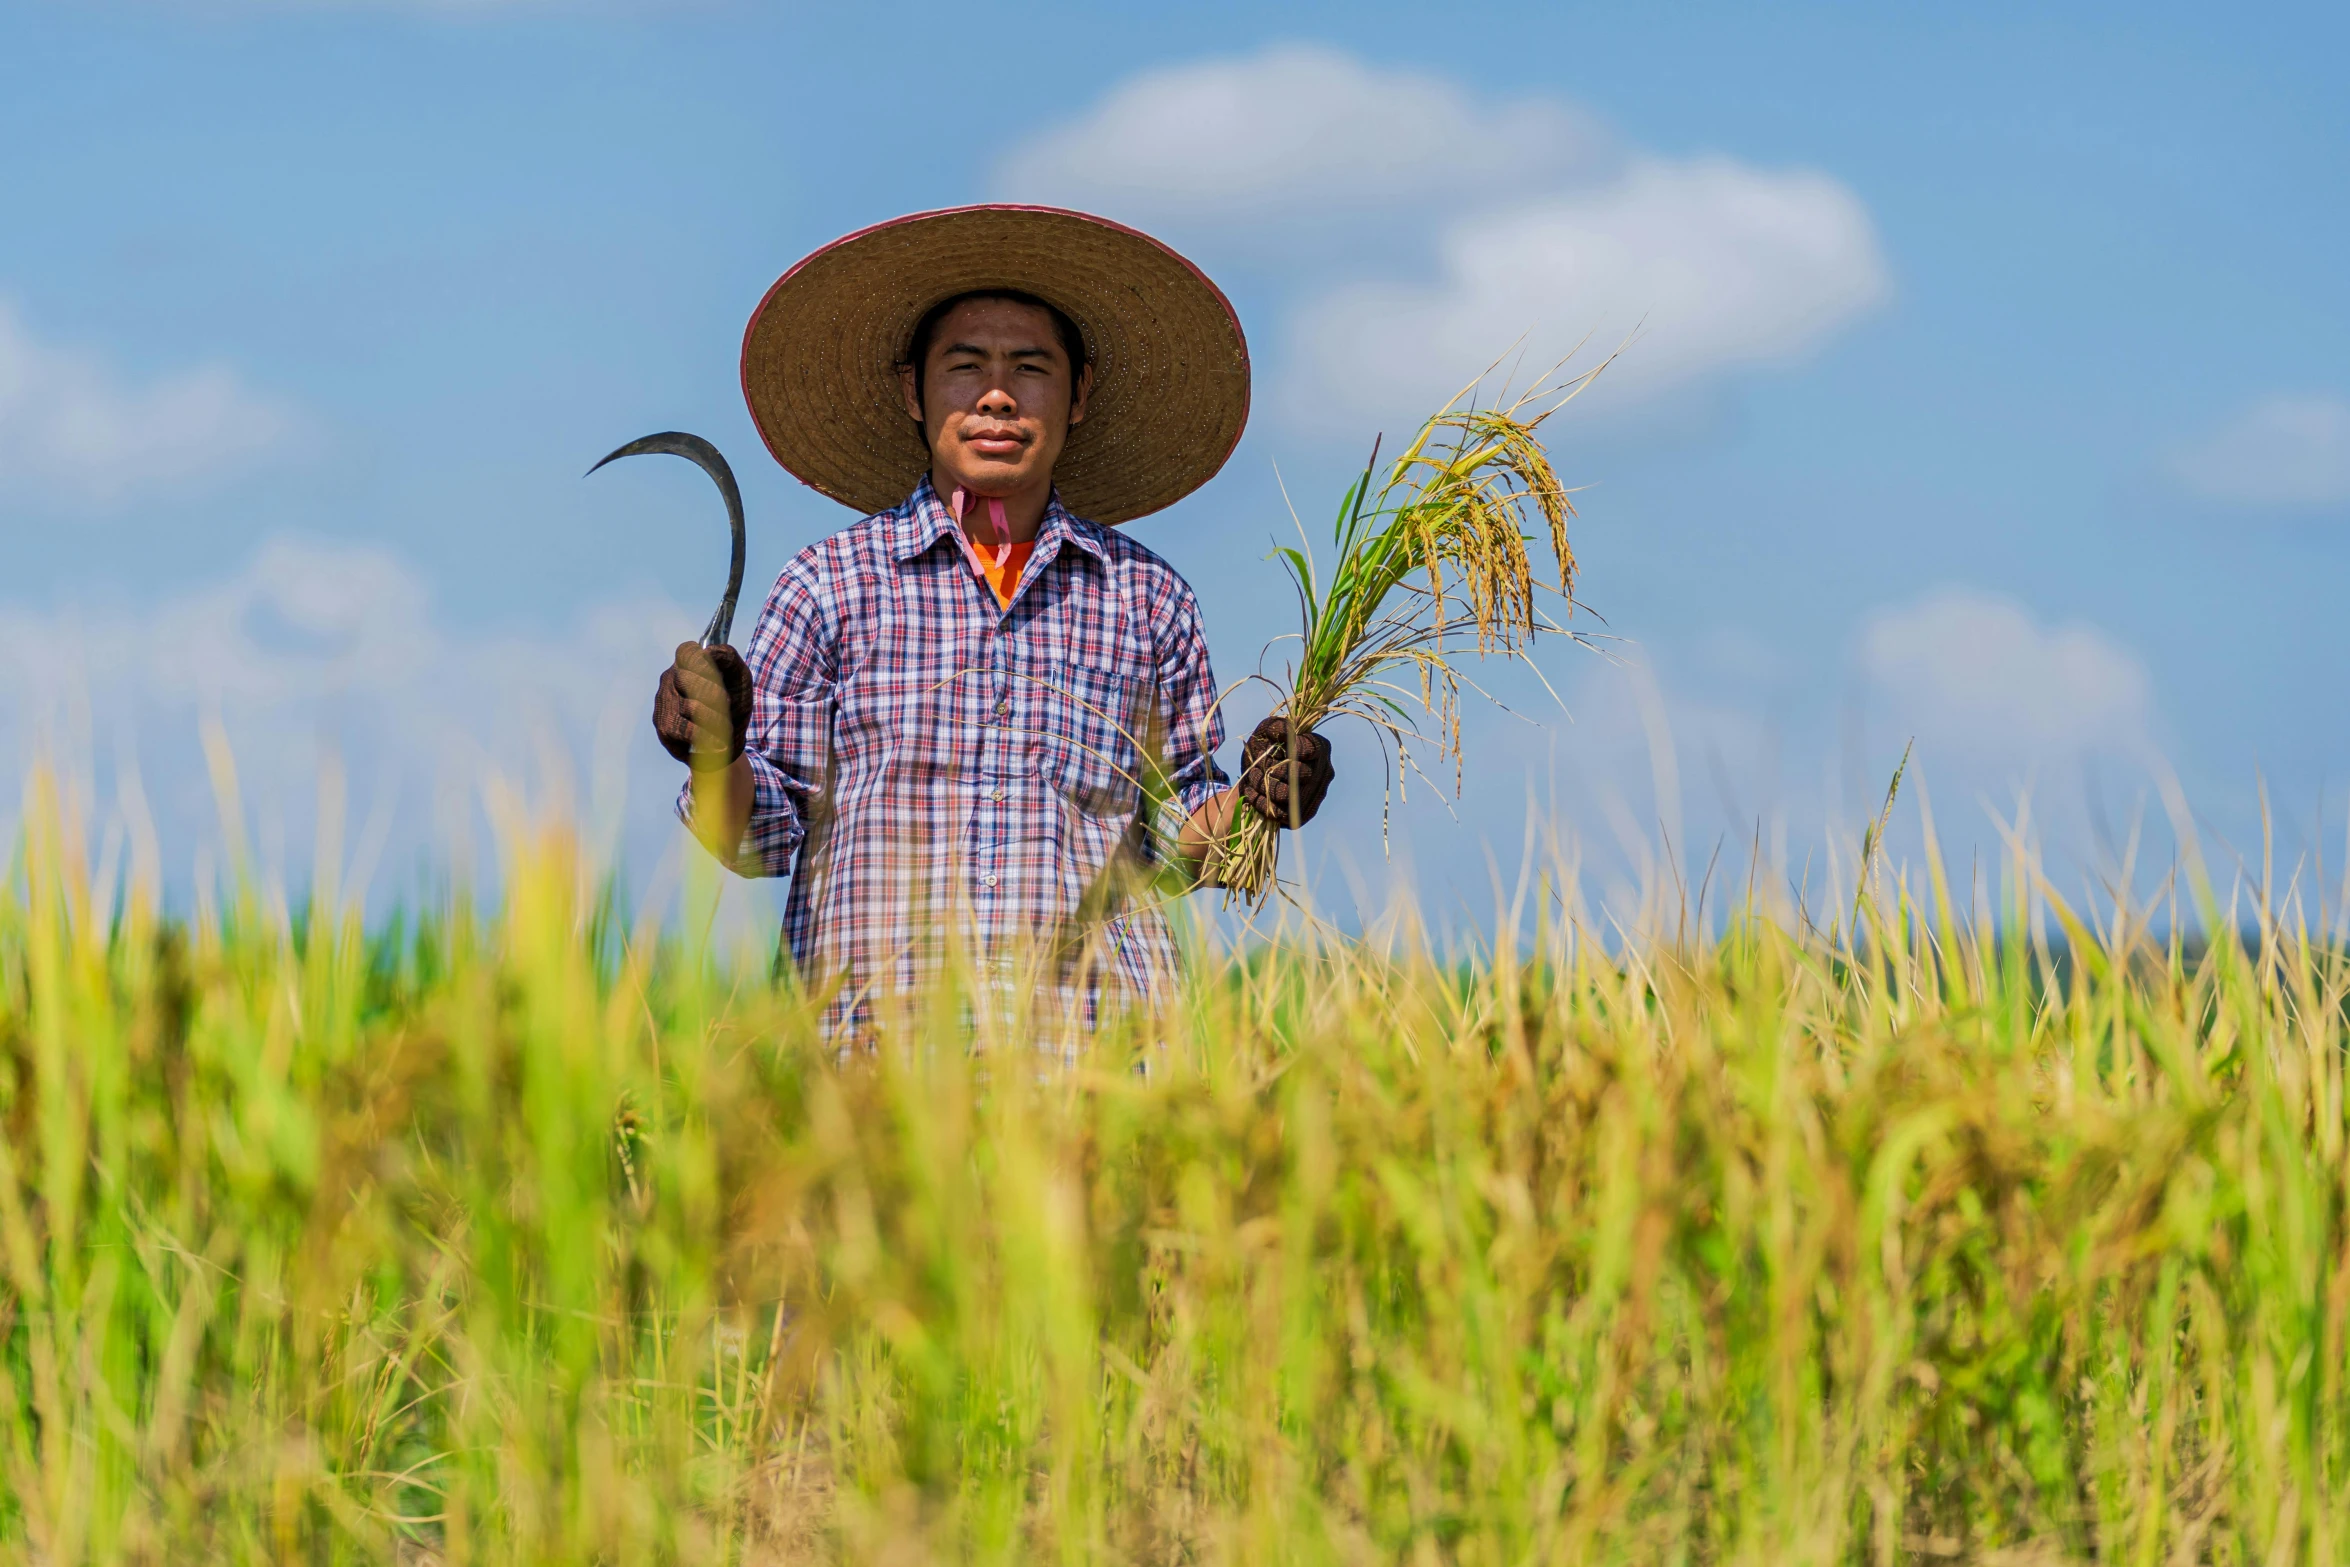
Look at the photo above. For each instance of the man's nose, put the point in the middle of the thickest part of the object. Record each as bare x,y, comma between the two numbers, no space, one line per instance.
998,402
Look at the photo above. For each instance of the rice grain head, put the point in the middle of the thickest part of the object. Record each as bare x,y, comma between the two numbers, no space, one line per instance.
1446,529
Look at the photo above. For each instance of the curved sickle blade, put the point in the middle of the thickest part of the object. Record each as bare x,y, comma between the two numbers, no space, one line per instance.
676,443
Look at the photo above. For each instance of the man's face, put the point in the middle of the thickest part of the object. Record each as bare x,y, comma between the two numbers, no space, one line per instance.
996,399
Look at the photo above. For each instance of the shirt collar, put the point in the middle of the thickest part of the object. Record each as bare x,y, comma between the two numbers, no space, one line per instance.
924,520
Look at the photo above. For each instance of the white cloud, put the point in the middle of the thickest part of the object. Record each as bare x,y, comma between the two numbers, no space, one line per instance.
70,425
1295,132
1982,684
309,626
313,647
2288,452
1721,267
1523,220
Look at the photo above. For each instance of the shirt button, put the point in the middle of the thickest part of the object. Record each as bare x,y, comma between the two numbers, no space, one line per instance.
995,794
989,879
1003,707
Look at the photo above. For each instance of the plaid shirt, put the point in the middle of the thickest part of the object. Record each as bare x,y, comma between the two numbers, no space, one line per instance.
923,758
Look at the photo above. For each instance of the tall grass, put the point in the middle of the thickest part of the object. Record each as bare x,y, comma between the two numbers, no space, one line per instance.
520,1239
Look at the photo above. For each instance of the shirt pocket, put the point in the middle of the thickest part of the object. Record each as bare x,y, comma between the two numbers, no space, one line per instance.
1089,734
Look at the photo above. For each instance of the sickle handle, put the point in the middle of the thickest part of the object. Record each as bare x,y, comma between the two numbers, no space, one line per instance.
677,443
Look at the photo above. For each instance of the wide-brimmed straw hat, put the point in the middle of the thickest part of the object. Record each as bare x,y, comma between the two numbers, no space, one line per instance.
1170,366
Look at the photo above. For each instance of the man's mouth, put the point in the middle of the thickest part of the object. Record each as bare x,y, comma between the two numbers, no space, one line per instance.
996,443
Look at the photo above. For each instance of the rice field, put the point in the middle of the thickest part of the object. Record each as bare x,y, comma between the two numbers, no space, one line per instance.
536,1236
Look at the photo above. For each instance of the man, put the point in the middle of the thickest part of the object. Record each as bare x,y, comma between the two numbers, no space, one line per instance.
958,716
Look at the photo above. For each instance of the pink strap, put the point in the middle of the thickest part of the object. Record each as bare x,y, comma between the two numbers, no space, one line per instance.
1003,531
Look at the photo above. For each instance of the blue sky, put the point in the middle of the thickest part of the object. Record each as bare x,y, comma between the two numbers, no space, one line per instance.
1992,384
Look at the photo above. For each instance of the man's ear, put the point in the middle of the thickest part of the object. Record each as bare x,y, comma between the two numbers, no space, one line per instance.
907,395
1079,393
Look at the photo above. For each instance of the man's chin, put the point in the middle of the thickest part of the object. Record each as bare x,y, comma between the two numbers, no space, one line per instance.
992,477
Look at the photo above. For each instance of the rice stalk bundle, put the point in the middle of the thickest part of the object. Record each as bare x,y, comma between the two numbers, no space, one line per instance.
1435,560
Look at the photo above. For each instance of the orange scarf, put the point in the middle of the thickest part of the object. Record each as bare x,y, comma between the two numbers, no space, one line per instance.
1000,566
1003,573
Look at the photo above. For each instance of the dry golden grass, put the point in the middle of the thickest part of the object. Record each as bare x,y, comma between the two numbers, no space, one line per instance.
523,1239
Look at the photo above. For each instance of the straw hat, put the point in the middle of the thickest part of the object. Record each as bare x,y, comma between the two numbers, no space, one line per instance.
1170,367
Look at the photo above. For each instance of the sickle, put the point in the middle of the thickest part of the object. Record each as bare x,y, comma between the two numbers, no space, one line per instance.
705,456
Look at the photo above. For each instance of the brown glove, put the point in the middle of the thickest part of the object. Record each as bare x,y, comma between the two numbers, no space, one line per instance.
702,707
1285,785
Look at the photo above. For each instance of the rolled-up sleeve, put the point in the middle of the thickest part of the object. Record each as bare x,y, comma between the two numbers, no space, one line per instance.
1194,723
792,659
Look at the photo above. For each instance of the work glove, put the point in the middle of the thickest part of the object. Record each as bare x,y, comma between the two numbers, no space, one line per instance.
702,707
1285,784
